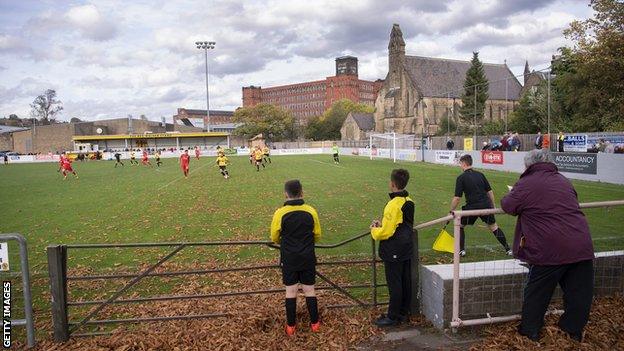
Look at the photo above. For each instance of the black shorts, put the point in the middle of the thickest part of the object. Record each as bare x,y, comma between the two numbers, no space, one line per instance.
305,277
259,161
335,155
470,220
222,167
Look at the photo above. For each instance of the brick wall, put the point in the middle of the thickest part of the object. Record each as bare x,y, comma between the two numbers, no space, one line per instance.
22,141
6,142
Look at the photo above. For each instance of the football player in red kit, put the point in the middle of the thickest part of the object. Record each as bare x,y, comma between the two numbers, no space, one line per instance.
185,159
66,166
145,159
197,152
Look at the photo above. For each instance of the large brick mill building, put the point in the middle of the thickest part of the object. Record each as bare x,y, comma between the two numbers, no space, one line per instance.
309,99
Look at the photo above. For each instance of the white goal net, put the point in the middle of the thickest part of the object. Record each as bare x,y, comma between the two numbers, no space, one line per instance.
386,145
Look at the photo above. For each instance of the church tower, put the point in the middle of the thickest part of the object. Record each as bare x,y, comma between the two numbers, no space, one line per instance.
527,71
396,51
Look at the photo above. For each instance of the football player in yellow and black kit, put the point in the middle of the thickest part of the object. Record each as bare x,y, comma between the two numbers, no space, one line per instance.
157,156
133,160
267,154
222,162
258,155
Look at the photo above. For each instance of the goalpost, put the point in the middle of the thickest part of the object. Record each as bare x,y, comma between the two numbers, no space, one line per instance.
391,142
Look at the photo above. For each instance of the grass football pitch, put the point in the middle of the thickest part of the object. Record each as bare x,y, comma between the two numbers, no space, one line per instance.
141,204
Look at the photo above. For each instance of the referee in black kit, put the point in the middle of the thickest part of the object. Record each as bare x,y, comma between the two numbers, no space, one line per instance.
479,195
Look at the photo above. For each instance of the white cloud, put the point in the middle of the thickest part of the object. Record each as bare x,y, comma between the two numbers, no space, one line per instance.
109,59
91,23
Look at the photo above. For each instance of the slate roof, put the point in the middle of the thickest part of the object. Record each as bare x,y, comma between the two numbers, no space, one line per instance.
364,121
435,77
10,129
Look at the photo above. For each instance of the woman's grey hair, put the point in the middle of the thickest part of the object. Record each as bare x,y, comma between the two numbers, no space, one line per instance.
536,156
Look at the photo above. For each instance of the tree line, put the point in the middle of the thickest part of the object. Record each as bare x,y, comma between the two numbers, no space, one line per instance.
586,83
276,123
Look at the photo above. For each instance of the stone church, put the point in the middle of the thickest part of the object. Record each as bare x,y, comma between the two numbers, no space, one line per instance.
419,91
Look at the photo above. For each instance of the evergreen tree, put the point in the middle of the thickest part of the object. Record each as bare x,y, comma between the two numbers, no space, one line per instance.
475,77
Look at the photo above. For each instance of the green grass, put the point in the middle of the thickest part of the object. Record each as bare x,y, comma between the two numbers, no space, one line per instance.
140,204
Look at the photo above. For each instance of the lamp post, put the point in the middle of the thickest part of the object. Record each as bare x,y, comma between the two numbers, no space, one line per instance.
205,45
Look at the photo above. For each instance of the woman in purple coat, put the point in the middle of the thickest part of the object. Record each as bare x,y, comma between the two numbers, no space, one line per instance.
552,236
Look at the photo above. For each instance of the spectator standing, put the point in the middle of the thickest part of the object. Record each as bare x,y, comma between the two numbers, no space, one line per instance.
539,140
450,144
505,142
560,138
394,234
552,236
516,142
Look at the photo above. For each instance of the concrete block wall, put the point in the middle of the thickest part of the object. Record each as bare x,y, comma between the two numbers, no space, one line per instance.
496,287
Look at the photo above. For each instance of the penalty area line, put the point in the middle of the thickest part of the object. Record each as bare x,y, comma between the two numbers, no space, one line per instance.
327,163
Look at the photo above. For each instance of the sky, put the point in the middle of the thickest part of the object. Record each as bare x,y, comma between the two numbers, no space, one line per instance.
108,59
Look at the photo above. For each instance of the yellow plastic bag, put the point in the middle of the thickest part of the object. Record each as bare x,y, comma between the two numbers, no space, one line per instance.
444,242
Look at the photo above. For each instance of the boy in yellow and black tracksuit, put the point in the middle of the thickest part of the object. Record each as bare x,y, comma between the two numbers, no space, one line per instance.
394,234
296,227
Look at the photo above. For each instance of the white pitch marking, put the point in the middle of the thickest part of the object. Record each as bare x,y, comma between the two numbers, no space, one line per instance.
327,163
175,180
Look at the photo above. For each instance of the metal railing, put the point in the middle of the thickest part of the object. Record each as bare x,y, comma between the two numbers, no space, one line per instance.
456,216
28,320
64,327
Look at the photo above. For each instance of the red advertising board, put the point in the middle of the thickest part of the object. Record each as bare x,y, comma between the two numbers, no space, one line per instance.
493,157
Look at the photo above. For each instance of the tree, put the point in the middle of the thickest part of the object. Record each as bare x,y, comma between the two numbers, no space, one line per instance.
493,128
590,75
445,127
45,107
531,115
272,121
327,126
475,81
75,120
13,117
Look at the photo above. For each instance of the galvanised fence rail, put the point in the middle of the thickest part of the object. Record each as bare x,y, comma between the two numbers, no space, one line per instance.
66,325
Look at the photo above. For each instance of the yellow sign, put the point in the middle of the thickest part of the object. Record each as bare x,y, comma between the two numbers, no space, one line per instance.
468,145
